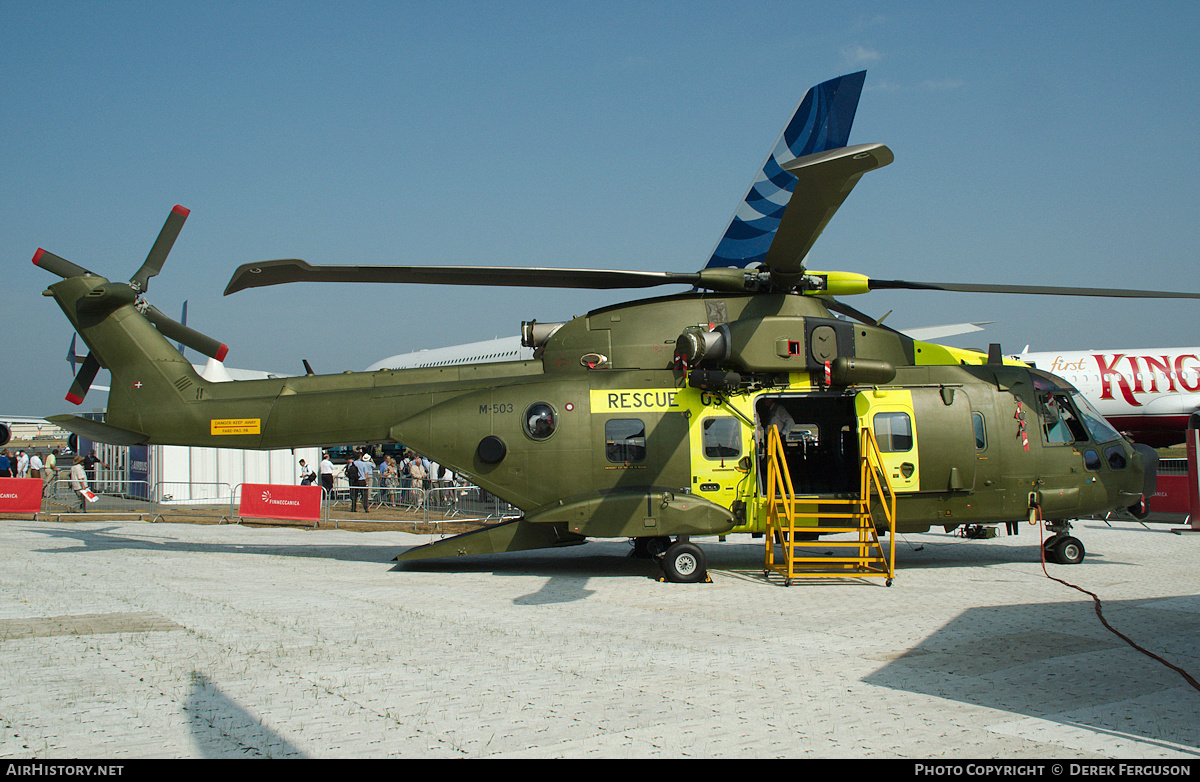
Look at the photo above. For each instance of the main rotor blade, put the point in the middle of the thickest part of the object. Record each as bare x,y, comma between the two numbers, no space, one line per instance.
1045,290
258,275
83,380
162,245
824,179
176,331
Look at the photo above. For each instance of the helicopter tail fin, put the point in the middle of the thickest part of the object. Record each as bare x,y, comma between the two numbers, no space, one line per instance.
820,123
151,380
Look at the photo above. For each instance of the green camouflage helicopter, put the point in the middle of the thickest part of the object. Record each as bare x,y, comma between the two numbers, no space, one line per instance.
647,420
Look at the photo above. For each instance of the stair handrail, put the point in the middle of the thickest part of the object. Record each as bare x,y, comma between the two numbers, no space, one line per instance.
875,475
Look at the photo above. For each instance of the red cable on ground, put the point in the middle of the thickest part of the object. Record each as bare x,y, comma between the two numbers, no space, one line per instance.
1099,613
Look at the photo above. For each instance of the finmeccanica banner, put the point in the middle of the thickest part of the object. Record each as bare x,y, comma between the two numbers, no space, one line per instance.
280,501
20,495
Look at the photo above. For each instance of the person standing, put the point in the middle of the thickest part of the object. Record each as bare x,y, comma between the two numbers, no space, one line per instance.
387,474
416,471
306,474
89,465
368,470
79,484
49,474
22,464
326,468
356,475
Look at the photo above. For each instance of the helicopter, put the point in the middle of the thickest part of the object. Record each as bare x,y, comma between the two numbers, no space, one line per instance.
648,419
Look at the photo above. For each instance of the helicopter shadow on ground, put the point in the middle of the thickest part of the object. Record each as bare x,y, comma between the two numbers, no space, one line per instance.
567,572
1054,663
113,537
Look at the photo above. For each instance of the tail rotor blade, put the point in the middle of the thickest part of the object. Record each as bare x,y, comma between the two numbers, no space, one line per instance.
176,331
71,356
60,266
162,245
83,380
183,322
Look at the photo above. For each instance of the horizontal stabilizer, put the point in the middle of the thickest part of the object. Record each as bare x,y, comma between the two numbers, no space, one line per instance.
97,432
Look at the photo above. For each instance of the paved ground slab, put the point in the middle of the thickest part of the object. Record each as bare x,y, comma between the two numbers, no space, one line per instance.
126,639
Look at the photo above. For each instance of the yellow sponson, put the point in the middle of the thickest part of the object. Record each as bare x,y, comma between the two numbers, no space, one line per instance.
928,354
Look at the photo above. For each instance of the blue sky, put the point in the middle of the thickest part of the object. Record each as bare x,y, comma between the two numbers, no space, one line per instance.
1035,143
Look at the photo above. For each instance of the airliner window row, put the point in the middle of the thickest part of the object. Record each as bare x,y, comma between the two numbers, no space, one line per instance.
1188,376
467,359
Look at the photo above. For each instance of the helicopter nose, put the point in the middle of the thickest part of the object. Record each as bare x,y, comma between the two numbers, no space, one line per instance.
1149,469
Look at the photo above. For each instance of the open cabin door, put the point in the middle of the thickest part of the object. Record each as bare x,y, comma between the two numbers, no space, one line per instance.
819,434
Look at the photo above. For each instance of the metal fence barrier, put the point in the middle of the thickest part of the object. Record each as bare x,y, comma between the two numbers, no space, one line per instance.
118,498
187,499
441,503
467,503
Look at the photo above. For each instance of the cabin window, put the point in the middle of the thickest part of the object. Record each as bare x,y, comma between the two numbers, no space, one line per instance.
722,438
625,440
894,432
980,433
1091,459
540,421
1116,457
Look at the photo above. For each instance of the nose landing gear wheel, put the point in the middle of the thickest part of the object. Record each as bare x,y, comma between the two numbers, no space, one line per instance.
685,563
1070,551
1064,550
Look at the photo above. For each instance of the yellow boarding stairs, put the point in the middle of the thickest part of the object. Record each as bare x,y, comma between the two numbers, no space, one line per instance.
862,556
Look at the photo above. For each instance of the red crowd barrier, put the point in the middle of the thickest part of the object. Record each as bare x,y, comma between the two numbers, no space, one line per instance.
20,495
280,501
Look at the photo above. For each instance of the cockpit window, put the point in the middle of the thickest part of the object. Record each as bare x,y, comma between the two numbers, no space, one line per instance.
1100,429
1060,424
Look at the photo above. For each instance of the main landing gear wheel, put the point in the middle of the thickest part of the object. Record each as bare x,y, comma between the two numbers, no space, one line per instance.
685,563
649,548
